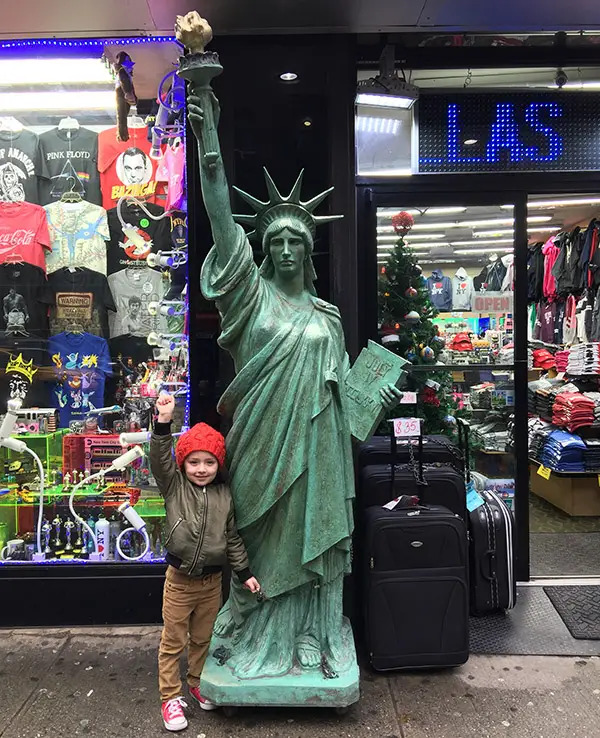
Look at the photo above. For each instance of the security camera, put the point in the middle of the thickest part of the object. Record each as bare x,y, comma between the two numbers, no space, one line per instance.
561,78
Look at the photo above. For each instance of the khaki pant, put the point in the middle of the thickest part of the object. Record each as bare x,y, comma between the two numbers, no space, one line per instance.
190,607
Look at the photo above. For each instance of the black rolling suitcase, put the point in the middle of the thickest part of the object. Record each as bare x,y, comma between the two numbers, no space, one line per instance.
436,449
433,484
416,588
493,586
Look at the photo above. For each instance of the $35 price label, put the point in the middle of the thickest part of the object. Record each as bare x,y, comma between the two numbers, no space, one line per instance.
407,427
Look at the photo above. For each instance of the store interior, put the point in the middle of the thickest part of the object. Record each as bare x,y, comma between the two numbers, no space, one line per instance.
466,254
93,285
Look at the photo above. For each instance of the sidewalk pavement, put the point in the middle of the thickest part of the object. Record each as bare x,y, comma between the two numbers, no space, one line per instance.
101,682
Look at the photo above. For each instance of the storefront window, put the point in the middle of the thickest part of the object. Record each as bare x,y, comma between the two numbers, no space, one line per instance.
446,277
93,252
563,390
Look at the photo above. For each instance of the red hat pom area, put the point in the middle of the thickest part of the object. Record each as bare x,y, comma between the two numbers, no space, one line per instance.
200,437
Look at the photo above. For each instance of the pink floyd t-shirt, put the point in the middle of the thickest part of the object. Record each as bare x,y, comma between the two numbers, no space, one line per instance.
23,233
19,166
69,161
79,232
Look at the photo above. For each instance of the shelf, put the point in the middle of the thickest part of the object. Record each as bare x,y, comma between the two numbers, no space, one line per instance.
459,367
577,475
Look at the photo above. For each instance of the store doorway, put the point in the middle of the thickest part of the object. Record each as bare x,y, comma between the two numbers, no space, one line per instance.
564,386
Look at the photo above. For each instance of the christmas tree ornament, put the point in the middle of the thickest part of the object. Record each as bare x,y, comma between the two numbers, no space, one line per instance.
411,292
402,222
411,356
438,342
427,353
390,338
450,420
412,318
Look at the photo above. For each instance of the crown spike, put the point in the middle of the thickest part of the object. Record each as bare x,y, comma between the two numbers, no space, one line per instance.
294,195
245,219
255,204
274,194
320,219
317,200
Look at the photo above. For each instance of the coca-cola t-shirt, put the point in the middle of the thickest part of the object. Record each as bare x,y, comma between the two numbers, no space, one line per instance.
80,297
155,235
19,166
69,161
126,169
23,233
24,294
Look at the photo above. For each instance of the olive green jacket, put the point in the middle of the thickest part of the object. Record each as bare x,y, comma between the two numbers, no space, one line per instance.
200,523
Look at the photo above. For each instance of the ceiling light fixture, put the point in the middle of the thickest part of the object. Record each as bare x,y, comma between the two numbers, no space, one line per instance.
469,223
72,100
390,212
55,72
471,252
288,77
387,89
470,141
563,203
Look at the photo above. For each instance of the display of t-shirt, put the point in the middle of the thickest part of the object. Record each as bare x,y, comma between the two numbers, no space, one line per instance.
19,166
547,318
462,290
78,233
133,289
81,364
24,374
81,297
23,233
178,275
69,161
126,169
122,251
440,290
24,294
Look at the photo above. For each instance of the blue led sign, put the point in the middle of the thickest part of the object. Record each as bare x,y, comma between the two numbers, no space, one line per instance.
509,132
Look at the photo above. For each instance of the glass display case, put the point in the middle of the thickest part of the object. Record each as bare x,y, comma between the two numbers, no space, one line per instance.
93,288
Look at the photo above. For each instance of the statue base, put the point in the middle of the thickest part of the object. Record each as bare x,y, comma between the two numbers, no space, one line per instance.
297,688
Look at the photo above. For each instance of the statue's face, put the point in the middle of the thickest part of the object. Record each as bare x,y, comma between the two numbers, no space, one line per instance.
287,253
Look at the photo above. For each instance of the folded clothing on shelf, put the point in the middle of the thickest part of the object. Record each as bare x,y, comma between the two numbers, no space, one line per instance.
563,452
543,359
562,360
461,342
572,410
591,457
584,358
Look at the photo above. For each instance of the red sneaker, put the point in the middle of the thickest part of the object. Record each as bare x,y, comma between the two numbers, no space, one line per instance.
202,701
173,716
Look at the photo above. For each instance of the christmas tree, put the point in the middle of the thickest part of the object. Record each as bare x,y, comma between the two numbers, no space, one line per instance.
406,325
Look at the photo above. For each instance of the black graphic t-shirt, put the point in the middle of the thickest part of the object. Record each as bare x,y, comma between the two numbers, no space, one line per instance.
81,299
19,166
24,298
178,275
155,234
25,372
69,161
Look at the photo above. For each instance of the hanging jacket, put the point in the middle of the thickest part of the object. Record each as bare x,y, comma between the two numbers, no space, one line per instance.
570,321
535,272
462,290
508,260
491,277
563,271
586,250
440,290
594,264
550,252
583,314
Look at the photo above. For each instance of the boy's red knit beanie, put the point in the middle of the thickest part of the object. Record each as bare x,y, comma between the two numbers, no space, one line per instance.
200,437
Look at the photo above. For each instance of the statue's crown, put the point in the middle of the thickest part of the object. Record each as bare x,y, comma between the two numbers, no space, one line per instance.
278,206
23,367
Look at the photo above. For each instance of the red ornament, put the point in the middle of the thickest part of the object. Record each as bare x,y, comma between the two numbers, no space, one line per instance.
411,292
430,397
402,222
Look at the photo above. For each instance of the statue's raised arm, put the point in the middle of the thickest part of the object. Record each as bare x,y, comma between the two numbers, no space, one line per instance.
199,67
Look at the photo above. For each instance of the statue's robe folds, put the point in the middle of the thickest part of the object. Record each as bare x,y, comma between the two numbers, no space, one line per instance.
290,459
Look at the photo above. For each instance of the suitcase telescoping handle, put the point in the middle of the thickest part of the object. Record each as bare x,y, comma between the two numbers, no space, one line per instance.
463,444
417,464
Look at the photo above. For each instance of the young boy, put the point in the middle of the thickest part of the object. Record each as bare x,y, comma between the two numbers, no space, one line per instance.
201,537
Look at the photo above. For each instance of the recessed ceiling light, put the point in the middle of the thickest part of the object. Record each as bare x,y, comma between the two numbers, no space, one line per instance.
288,76
470,141
307,122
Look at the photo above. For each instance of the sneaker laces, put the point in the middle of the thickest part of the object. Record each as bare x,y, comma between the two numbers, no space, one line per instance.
175,707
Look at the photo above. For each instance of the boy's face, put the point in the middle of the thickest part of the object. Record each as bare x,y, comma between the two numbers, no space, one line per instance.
201,467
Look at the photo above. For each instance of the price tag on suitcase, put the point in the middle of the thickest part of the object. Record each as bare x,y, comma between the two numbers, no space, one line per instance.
407,427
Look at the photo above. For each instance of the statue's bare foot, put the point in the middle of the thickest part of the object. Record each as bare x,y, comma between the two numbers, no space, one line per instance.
224,623
308,652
